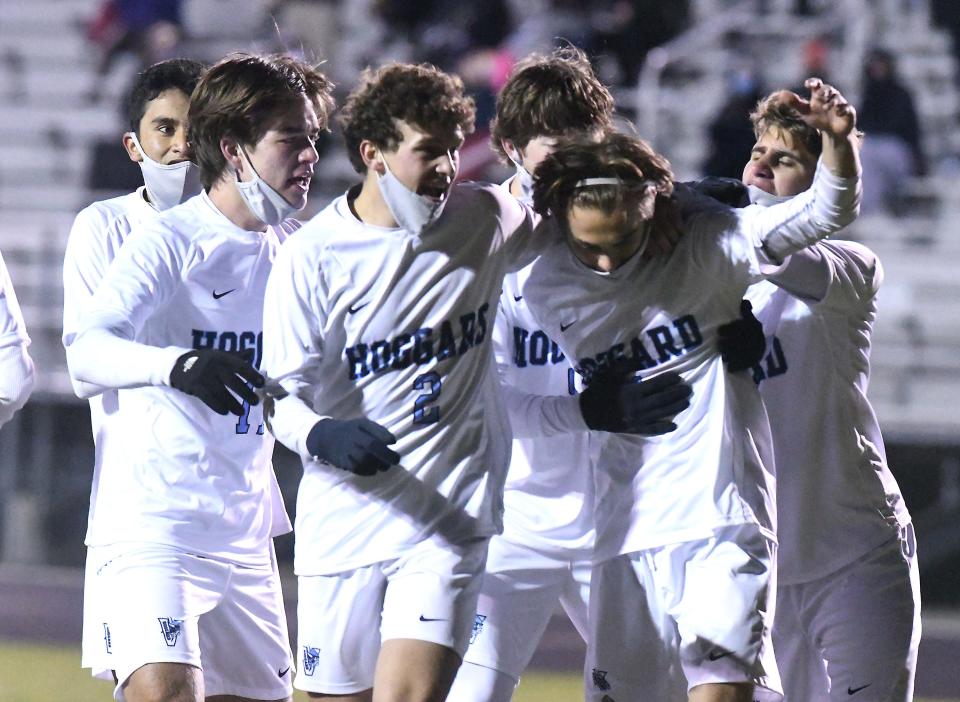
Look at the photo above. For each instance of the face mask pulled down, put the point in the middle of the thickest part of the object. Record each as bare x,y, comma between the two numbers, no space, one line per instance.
266,204
765,199
413,212
168,184
524,178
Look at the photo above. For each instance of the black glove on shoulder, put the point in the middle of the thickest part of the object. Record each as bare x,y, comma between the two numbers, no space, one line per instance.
742,342
616,400
729,191
355,445
217,378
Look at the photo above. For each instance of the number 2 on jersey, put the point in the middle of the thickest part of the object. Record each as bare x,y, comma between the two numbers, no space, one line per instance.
421,413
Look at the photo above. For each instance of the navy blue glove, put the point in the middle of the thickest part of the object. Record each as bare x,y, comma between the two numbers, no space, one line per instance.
742,342
215,377
617,400
354,445
729,191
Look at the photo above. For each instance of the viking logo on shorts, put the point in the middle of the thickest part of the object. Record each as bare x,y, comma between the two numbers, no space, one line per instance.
106,637
311,656
171,629
600,679
477,626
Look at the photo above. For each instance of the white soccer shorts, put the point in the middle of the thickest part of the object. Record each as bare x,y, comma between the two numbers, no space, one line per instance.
429,594
147,603
853,635
520,592
667,619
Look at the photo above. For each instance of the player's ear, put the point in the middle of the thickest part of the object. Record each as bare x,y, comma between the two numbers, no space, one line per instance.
511,150
372,157
130,146
230,148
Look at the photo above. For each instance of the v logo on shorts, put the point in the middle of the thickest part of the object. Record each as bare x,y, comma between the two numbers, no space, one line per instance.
171,629
311,656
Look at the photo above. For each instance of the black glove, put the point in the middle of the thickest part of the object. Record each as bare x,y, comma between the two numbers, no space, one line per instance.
742,343
211,375
355,445
729,191
617,400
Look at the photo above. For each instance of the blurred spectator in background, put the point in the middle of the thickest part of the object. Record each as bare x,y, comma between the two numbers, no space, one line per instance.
815,57
628,29
891,148
148,29
730,133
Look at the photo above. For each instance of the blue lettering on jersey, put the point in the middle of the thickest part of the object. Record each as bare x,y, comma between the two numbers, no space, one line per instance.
420,347
651,348
234,342
773,364
534,348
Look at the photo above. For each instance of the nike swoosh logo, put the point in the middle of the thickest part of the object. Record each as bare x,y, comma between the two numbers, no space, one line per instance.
281,673
564,327
855,690
431,619
354,310
717,655
217,296
517,298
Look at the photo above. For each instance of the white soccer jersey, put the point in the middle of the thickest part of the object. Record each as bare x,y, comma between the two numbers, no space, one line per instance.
836,498
16,366
183,475
366,321
98,232
713,471
548,496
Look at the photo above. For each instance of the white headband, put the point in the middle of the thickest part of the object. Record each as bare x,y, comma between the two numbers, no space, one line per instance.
587,182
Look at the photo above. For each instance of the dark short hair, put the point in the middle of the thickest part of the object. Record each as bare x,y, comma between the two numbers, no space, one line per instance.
420,95
552,95
772,113
175,74
240,95
629,159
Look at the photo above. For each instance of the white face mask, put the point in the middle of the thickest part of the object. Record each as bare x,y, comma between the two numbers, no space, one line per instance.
524,178
413,212
765,199
168,184
266,204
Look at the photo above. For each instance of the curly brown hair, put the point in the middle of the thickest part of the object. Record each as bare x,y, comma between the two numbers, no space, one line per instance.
550,95
629,159
241,95
420,95
772,113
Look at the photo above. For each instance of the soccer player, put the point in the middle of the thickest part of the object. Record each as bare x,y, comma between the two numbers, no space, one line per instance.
156,110
848,598
685,522
378,317
16,366
542,558
180,532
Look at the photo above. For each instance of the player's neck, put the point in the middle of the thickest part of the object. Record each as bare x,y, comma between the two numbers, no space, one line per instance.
370,207
226,198
516,189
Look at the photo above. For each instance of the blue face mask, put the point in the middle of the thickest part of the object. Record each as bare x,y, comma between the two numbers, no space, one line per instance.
413,212
168,184
266,204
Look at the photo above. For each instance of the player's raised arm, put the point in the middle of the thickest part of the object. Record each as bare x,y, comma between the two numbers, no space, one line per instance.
833,200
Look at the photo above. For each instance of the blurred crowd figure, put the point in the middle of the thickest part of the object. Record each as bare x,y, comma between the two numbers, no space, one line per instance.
891,148
149,29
